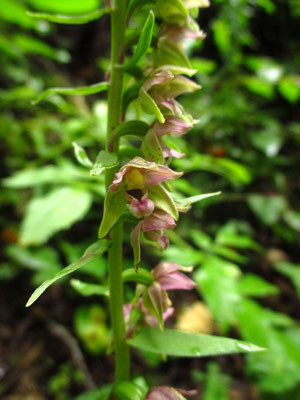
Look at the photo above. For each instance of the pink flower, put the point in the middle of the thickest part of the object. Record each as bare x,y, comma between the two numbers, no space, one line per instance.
153,227
164,85
167,276
140,174
168,393
177,33
173,126
146,318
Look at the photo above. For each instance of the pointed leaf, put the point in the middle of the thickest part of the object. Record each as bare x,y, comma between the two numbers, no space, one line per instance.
82,91
58,210
69,19
81,155
92,252
103,161
135,128
144,41
184,344
114,205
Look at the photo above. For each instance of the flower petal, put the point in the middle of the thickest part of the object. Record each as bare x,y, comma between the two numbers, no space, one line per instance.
176,281
141,208
173,126
158,220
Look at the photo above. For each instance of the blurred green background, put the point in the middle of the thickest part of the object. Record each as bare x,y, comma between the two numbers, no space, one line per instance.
244,244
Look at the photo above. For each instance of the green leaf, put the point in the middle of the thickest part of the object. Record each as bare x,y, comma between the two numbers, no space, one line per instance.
92,252
259,86
233,171
135,128
143,276
149,105
65,7
81,155
222,35
70,19
58,210
103,161
90,326
292,271
194,199
89,289
268,209
185,344
129,391
114,205
82,91
253,285
98,394
217,384
217,281
292,218
50,174
32,45
277,369
289,88
144,41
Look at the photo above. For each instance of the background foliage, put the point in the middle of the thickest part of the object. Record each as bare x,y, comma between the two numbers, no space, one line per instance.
243,243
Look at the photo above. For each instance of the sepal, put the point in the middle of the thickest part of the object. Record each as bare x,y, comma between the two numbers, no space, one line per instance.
114,205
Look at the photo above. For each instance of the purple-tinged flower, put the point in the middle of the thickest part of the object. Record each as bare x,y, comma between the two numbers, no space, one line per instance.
153,227
153,145
168,393
173,126
142,315
140,174
140,208
162,87
177,33
167,275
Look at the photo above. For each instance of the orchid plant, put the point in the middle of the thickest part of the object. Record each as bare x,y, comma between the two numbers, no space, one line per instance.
139,181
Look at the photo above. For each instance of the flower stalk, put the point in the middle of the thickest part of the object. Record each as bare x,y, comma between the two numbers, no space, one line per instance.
115,252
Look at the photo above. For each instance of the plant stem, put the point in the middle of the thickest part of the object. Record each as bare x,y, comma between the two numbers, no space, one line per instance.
115,253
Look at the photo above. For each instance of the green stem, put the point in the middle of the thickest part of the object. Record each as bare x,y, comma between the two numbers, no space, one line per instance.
115,253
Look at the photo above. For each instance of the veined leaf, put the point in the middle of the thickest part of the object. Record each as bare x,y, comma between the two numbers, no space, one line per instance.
92,252
144,41
82,91
185,344
58,210
69,19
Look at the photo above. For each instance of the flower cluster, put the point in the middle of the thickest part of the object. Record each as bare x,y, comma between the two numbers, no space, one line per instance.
151,304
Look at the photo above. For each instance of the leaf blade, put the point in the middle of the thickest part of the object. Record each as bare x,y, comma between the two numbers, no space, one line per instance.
185,344
79,91
69,19
92,252
144,41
